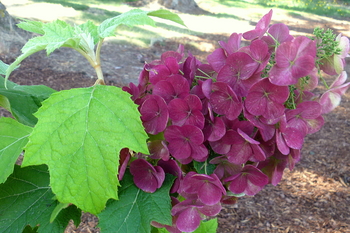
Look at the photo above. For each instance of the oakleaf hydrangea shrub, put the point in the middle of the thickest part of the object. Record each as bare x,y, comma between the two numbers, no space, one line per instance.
228,127
164,154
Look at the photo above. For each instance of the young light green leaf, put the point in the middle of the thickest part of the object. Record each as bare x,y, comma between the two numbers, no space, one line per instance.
31,48
135,209
26,199
13,138
3,68
57,210
165,14
31,26
90,28
23,101
209,226
79,135
133,18
56,34
130,18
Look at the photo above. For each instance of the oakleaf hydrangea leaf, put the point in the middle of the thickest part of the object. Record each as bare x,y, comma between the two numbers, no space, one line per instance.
133,18
135,209
209,226
26,199
13,138
3,68
79,135
22,101
90,28
32,26
165,14
54,35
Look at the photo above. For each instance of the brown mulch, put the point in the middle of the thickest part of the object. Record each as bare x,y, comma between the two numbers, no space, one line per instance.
314,197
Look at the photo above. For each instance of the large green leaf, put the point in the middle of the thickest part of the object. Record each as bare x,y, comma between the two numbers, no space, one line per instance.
23,101
135,209
13,138
133,18
27,199
79,135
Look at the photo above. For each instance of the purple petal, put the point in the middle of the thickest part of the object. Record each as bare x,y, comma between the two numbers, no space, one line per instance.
210,210
188,220
242,66
314,125
238,185
158,73
175,86
339,80
281,143
224,101
172,64
209,194
154,114
233,44
178,146
217,59
213,131
293,137
147,177
280,32
266,99
239,153
158,150
260,28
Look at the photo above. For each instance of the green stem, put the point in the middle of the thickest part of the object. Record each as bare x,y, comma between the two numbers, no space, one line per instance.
95,63
98,51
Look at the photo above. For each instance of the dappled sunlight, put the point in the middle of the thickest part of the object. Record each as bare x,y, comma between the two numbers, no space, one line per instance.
224,18
302,181
39,11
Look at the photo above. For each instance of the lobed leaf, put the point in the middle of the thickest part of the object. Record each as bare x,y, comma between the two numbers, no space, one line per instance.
23,101
13,138
135,209
130,18
54,35
32,26
133,18
26,199
79,135
165,14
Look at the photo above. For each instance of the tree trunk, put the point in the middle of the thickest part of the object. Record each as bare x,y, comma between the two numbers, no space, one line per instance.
185,6
12,38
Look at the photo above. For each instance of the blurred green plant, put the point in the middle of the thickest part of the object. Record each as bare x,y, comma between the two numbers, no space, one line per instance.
332,8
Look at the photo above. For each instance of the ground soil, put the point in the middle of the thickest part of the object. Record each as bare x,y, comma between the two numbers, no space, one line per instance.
314,197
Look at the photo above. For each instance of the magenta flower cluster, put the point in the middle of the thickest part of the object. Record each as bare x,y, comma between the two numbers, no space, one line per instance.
241,118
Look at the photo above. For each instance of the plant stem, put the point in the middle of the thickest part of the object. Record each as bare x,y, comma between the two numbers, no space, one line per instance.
95,63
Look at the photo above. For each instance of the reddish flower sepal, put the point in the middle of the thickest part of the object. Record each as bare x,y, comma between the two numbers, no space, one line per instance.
249,181
146,176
